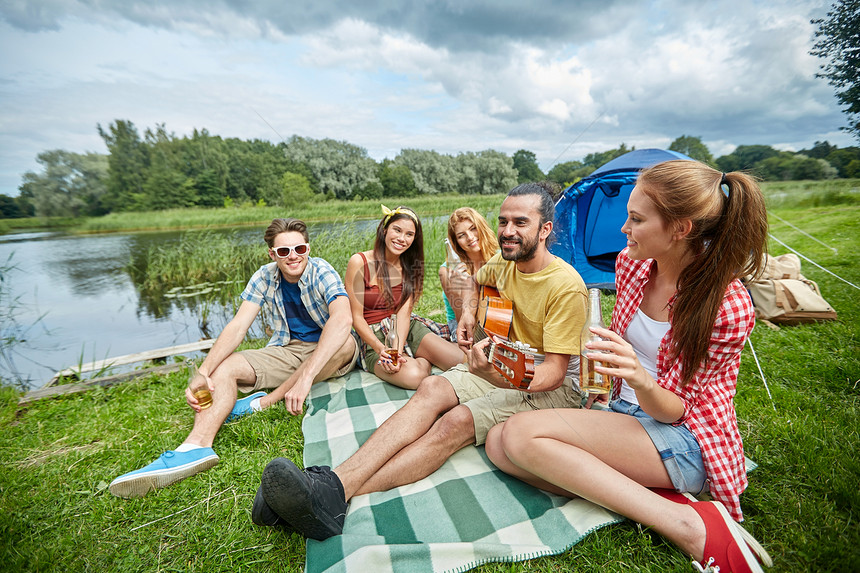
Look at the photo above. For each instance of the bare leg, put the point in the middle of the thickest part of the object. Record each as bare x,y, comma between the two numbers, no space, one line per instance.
343,355
434,397
411,373
207,422
453,431
497,455
604,457
440,352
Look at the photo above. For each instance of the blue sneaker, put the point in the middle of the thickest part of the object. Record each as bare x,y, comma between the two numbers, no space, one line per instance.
243,407
169,468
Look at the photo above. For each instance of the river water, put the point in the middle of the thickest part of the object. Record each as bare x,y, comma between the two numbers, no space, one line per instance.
69,300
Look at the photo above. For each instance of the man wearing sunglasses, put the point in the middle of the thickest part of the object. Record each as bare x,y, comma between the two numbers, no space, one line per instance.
306,303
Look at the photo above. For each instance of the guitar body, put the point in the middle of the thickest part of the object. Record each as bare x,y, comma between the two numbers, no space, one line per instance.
495,314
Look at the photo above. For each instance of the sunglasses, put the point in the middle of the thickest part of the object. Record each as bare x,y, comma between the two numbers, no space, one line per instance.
284,252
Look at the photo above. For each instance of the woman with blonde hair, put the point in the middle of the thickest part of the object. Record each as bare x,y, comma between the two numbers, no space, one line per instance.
680,321
389,280
474,242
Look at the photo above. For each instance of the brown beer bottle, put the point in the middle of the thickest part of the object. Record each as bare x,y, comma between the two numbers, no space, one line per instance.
589,380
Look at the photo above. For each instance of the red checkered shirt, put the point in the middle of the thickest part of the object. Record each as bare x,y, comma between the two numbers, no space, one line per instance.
709,411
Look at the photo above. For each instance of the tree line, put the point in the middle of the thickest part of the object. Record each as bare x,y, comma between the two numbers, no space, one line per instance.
159,170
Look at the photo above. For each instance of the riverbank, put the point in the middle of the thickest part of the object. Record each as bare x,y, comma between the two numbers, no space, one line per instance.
58,456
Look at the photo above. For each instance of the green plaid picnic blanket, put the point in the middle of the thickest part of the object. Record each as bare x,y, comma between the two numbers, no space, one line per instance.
464,514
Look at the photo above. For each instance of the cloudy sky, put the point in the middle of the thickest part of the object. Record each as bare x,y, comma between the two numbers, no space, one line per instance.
559,78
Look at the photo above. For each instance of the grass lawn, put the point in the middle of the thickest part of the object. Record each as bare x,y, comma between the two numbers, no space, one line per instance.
803,503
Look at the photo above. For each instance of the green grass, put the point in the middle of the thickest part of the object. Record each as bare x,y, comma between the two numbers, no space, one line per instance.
803,502
36,223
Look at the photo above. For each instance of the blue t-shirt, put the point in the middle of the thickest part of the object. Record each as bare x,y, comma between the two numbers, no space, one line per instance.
302,326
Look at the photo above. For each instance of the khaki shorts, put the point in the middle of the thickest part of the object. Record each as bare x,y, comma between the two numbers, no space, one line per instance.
417,332
274,364
491,405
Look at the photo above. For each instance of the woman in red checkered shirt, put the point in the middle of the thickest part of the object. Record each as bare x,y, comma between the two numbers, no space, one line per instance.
680,321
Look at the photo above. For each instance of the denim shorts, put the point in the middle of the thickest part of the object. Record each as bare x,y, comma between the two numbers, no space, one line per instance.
677,446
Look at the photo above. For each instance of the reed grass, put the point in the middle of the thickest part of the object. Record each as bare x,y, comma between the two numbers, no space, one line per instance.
201,259
57,456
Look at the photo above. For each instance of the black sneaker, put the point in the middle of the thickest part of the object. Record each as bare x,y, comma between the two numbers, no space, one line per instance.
311,501
262,514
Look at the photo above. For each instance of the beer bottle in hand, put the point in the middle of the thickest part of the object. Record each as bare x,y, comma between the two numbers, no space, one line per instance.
589,380
392,341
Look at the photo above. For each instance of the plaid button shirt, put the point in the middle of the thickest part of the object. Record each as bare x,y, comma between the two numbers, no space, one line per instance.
319,286
709,410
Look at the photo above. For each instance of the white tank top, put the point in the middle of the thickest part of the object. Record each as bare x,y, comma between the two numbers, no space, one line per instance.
644,334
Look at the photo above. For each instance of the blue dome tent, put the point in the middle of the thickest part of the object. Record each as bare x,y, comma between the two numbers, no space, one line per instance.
590,213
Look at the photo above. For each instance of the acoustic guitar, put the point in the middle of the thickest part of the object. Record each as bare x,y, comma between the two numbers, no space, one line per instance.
514,361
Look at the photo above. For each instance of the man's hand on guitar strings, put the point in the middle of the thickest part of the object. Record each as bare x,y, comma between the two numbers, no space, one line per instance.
477,358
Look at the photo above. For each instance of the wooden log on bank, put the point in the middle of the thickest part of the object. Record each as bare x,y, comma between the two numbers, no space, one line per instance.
156,354
51,389
105,381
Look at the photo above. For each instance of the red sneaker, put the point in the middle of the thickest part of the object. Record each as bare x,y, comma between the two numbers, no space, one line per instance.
725,549
760,552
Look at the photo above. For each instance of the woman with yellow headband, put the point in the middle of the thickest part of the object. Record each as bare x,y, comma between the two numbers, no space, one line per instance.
388,280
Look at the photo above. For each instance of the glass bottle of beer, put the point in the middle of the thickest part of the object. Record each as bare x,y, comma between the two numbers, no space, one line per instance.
392,341
451,257
589,380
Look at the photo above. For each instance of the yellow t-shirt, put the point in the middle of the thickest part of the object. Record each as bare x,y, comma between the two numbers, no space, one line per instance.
549,305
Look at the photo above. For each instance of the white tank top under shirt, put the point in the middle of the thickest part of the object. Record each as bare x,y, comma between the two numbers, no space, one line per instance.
644,334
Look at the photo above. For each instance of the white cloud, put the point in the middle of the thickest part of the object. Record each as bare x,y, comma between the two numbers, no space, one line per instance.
453,77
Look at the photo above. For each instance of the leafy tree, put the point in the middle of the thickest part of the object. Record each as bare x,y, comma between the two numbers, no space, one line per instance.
838,42
745,157
693,148
568,173
70,184
371,190
595,160
339,167
296,190
486,172
255,168
396,180
525,162
128,164
431,171
787,166
841,158
9,208
205,162
820,150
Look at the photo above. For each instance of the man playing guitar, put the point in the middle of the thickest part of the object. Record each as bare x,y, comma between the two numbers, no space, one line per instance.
458,407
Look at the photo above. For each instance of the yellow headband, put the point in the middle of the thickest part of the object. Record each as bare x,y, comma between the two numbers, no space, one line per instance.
399,211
